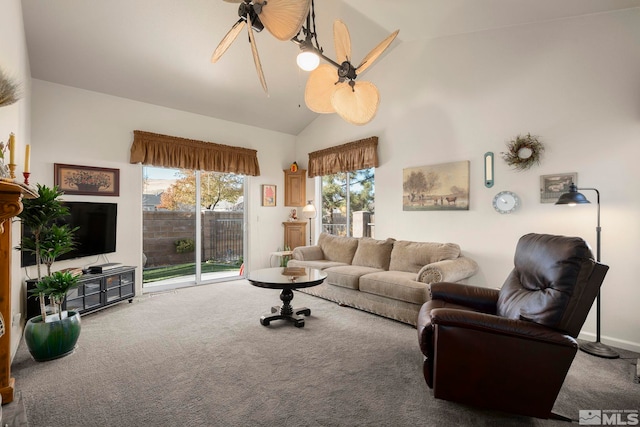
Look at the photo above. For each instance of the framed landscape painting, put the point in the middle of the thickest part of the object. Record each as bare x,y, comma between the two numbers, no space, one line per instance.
87,180
442,187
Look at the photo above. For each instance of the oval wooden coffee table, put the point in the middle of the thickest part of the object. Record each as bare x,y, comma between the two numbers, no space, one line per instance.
287,279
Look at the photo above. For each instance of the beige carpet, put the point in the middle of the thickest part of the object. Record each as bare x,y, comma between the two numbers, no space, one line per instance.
199,357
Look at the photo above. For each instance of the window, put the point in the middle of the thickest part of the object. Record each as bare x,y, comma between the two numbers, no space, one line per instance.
348,206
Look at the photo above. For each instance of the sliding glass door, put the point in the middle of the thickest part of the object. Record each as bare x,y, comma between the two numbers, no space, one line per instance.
193,227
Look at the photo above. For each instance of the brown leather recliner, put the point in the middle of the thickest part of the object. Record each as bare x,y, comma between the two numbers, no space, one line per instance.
511,349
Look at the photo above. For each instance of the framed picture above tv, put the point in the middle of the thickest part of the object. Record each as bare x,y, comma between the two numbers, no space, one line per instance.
87,180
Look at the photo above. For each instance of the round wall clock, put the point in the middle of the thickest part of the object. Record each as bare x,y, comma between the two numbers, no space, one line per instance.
506,202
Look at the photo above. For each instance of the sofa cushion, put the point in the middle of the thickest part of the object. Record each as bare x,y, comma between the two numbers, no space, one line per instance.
337,248
412,256
398,285
347,276
373,253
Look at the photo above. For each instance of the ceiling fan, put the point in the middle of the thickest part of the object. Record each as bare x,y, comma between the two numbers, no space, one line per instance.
282,18
336,91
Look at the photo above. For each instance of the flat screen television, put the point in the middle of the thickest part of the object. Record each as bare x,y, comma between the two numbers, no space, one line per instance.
96,234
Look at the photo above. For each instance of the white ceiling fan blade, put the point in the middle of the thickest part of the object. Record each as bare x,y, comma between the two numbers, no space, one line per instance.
256,57
357,105
342,41
376,52
320,86
227,40
283,18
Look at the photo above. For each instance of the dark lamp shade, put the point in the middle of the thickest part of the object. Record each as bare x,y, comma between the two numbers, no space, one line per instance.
573,197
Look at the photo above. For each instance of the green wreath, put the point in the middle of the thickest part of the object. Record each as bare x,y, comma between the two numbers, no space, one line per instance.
518,148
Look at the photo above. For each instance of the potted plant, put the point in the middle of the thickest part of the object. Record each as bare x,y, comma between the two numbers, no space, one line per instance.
58,334
38,215
55,241
49,336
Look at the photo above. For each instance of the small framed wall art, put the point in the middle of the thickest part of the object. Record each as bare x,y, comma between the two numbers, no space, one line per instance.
553,186
268,195
87,180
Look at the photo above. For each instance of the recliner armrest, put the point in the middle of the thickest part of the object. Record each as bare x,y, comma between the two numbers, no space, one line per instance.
474,297
483,322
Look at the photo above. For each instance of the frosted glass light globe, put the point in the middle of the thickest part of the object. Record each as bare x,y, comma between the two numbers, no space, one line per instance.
308,61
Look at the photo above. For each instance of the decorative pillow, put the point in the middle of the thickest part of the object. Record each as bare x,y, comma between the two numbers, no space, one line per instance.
337,248
412,256
373,253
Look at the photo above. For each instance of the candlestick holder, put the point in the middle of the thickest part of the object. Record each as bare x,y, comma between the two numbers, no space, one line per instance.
12,170
26,177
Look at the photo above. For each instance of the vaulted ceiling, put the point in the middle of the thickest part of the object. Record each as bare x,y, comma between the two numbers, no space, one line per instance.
159,51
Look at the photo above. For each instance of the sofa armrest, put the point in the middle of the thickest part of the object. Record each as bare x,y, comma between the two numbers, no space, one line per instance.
308,253
449,270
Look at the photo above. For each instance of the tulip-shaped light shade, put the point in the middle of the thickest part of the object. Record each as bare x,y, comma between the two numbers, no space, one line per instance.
308,60
309,211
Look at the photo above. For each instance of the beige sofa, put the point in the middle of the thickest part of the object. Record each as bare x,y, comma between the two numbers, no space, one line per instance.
386,277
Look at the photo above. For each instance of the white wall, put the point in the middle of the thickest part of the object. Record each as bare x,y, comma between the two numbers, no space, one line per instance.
15,118
573,82
87,128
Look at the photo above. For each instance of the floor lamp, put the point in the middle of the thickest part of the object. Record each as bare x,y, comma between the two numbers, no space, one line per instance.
309,211
572,198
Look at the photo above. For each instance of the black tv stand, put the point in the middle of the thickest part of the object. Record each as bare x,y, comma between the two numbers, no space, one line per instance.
95,291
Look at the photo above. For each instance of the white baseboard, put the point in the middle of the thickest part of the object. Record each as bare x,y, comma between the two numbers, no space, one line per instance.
613,342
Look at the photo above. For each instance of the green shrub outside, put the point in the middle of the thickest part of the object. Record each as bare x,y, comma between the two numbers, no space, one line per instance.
185,245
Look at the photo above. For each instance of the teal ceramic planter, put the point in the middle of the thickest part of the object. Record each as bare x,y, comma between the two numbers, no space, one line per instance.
52,340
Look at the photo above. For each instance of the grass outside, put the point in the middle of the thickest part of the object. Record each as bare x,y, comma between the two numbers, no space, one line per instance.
155,274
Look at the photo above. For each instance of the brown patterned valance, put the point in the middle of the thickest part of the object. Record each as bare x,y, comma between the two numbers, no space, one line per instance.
348,157
173,152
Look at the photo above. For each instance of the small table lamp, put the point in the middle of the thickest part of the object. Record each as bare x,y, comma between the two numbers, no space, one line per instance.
309,211
572,198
